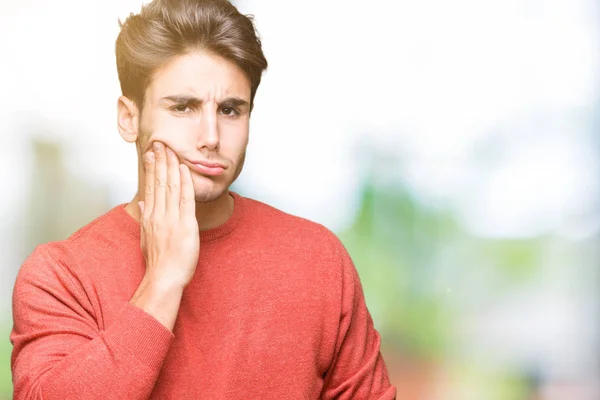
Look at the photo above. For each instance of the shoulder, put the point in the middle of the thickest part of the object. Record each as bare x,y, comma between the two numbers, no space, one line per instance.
57,261
115,222
281,222
283,228
49,271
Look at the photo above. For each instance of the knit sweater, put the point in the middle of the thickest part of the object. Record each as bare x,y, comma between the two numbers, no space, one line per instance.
275,310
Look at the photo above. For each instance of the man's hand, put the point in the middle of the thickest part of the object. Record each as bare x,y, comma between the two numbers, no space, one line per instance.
169,234
169,230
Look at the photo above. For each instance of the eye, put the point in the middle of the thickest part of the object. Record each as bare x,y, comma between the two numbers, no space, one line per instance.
230,112
181,108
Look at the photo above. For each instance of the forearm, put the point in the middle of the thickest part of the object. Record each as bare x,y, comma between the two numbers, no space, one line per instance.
123,362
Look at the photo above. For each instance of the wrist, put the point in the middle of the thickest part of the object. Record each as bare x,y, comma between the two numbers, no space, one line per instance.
159,298
163,283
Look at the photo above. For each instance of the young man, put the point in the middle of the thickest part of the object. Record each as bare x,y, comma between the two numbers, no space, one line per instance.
191,291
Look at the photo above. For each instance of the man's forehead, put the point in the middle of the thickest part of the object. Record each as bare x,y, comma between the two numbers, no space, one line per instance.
200,75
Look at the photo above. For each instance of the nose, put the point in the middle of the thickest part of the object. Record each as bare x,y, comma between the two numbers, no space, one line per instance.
208,136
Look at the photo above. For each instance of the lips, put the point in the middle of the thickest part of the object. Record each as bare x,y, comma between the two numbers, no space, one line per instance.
208,164
207,168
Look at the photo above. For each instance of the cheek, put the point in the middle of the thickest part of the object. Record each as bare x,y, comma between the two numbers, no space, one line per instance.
177,133
234,137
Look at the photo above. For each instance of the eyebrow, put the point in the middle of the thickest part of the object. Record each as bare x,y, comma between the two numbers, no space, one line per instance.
194,101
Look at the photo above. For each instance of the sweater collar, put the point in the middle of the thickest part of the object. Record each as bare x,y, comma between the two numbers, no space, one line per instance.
129,224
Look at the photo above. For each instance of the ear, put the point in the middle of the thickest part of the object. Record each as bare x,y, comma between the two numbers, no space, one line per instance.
127,119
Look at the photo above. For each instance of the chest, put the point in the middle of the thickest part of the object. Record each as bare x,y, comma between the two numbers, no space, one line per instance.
249,331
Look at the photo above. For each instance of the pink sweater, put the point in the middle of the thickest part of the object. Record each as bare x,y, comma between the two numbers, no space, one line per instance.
274,311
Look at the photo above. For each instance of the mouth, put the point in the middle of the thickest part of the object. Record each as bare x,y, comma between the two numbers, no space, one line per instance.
207,168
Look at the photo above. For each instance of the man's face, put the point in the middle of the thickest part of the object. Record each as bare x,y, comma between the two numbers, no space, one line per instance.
199,106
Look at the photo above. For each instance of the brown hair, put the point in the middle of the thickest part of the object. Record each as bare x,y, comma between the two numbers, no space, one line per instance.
168,28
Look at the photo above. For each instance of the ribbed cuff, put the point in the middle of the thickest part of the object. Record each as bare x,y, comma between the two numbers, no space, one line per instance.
142,335
389,394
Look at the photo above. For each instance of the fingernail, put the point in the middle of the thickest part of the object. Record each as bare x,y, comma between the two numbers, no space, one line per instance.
156,146
150,156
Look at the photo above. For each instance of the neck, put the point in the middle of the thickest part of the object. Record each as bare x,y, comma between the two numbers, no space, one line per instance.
209,215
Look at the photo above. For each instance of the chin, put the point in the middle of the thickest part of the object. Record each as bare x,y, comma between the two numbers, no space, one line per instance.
207,197
206,192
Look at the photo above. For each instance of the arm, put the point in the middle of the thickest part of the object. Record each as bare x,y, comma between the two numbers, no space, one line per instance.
357,370
59,352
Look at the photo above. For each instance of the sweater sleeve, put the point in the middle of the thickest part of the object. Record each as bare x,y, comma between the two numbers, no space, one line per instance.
357,370
60,353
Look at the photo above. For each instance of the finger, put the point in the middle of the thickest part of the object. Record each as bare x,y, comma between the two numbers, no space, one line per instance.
149,183
160,179
173,183
188,201
142,237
